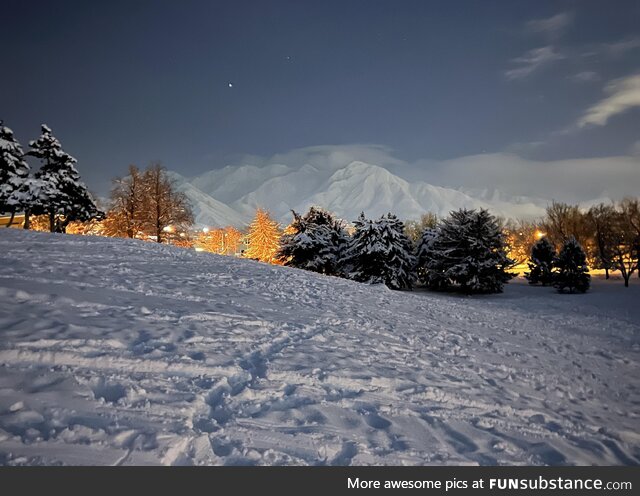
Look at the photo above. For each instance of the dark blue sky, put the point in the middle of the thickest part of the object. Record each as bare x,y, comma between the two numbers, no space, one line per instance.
129,82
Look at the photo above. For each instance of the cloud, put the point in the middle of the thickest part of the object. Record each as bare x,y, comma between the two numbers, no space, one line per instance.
614,49
623,94
570,180
551,27
532,61
585,77
328,157
635,149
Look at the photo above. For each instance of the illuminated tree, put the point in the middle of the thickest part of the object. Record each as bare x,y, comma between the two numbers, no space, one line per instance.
232,240
520,236
602,219
221,241
126,213
415,228
625,249
263,238
165,210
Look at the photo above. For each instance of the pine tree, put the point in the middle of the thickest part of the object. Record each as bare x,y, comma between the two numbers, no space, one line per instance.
468,251
424,254
263,238
14,174
543,255
399,270
572,270
314,242
61,193
380,252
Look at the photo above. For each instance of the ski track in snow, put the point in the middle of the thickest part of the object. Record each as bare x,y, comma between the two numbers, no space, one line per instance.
123,352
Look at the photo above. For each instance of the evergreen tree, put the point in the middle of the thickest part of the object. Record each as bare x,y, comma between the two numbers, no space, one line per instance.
424,254
263,238
468,251
572,269
543,255
380,252
61,193
314,242
14,174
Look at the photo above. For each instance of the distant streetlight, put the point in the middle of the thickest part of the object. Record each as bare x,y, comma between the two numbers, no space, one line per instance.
205,230
539,234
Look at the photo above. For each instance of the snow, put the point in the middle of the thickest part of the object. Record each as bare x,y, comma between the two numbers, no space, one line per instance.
235,192
122,352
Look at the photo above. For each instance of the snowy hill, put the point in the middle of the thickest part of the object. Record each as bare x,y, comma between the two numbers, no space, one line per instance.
357,186
125,352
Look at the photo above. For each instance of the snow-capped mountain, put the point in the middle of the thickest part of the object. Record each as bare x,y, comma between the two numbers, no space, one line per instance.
230,196
207,210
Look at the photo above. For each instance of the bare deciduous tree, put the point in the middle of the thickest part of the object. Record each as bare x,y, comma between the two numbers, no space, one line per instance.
125,217
165,210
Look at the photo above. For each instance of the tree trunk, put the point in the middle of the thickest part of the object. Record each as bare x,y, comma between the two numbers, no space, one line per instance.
606,273
626,280
27,220
52,221
13,214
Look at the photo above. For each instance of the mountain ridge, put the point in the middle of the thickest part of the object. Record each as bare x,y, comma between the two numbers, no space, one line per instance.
229,196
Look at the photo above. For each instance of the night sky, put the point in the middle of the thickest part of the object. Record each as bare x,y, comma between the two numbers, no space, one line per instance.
199,84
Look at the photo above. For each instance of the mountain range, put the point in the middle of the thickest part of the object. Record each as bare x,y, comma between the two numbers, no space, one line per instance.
230,196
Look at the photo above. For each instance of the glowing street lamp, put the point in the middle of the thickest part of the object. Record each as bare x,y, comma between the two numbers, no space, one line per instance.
539,234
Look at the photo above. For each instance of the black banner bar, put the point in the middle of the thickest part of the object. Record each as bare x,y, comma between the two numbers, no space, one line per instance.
322,480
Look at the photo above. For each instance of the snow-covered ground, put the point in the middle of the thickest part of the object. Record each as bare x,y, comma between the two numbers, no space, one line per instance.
125,352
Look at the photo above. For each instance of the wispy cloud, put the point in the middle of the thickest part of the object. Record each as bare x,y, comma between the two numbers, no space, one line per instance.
585,77
552,27
623,94
614,49
532,61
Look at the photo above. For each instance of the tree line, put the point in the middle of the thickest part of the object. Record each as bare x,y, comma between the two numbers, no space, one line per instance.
54,190
470,250
609,234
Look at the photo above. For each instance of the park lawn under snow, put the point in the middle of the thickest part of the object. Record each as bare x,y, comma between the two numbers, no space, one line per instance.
125,352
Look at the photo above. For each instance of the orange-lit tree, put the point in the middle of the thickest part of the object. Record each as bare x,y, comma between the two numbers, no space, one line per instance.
263,238
232,240
224,241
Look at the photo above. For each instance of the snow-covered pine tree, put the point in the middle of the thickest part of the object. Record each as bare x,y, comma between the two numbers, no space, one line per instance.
364,255
424,254
398,272
314,242
63,196
263,238
468,251
14,174
380,252
572,271
543,255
